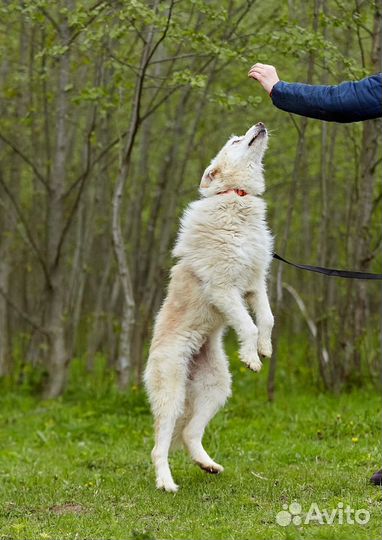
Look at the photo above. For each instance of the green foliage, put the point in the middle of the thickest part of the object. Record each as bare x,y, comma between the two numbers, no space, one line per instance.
186,77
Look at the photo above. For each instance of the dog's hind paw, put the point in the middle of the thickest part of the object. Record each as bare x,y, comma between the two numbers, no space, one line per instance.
211,468
167,485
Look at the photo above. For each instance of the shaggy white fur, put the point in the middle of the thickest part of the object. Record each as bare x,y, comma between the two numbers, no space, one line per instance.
224,250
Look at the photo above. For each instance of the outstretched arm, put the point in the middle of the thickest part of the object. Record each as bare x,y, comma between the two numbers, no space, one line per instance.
345,102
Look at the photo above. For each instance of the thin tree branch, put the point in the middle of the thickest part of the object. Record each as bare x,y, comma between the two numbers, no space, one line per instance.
56,26
151,110
179,57
51,19
302,307
164,33
88,22
134,69
357,10
376,163
27,230
96,160
291,117
377,200
22,314
26,159
141,36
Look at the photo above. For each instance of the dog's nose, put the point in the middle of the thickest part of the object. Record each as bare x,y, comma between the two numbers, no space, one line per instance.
260,124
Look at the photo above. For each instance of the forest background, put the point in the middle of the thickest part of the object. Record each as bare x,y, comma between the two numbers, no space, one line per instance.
110,111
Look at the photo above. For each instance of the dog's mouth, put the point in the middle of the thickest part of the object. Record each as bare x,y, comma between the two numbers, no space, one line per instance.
262,131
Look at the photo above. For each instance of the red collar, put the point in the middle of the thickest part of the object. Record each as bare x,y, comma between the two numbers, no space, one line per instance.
239,192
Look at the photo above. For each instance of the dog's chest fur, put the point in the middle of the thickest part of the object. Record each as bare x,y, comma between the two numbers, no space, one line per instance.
225,240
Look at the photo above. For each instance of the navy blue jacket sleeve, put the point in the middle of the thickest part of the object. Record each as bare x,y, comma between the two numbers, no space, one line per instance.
345,102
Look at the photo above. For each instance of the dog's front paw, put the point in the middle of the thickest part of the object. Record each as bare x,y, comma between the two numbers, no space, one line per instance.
264,347
254,365
249,356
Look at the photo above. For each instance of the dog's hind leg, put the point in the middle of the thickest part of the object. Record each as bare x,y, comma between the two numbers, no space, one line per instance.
164,426
165,381
209,388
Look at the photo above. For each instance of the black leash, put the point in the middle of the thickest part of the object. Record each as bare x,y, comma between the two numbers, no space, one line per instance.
331,271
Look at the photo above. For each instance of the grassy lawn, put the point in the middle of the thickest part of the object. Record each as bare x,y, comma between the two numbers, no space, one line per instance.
79,467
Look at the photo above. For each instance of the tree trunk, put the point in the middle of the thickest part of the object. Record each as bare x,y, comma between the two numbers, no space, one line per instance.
55,312
300,159
363,252
363,246
5,270
124,353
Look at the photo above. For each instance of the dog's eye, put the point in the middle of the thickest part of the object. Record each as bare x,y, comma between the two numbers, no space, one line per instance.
237,140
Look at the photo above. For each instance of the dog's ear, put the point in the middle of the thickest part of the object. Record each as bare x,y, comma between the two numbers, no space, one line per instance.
210,174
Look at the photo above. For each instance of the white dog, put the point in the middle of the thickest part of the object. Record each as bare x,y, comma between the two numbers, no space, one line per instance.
224,249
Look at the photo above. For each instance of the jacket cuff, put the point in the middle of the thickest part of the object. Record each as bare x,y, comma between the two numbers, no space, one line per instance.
275,88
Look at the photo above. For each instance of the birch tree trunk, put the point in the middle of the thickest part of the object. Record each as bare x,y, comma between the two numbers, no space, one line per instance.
124,360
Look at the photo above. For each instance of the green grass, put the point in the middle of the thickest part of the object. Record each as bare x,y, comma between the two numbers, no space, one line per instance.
79,468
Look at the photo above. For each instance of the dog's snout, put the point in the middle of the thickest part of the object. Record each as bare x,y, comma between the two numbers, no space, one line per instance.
260,125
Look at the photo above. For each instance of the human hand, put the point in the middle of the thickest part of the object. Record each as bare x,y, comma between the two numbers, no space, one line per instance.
265,74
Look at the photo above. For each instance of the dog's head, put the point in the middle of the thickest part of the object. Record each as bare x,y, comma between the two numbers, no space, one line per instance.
238,165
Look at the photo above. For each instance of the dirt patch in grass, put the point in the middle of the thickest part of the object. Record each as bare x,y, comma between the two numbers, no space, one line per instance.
67,508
